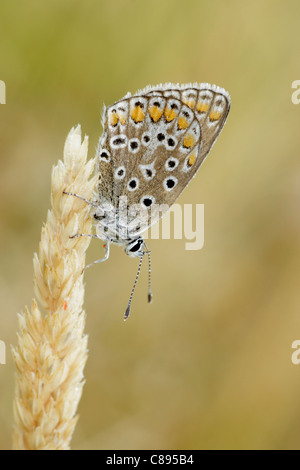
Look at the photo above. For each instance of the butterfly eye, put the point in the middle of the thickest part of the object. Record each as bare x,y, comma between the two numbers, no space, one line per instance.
136,246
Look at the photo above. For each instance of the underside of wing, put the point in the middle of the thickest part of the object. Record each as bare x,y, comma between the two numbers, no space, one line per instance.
210,103
154,143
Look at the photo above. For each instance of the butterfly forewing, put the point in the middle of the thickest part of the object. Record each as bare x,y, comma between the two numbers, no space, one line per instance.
154,143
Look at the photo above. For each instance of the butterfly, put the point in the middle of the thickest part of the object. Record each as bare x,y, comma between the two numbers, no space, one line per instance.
153,144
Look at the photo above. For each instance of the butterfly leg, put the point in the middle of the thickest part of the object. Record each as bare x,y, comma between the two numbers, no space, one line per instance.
106,247
91,235
106,256
91,203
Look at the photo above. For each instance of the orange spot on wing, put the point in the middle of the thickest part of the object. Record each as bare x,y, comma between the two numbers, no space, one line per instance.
170,114
191,159
65,305
215,115
113,119
155,113
182,123
190,103
122,119
189,141
202,107
137,114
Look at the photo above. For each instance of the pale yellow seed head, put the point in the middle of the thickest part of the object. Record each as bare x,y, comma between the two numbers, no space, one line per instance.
52,348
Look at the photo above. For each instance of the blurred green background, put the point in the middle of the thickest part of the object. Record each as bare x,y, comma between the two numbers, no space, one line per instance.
208,364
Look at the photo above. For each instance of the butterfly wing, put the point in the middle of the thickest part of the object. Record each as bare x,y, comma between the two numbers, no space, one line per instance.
153,144
210,103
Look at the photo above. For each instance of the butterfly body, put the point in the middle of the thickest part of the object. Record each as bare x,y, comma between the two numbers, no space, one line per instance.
112,229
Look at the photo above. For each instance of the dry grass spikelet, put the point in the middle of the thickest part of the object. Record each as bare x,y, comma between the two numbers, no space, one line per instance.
52,348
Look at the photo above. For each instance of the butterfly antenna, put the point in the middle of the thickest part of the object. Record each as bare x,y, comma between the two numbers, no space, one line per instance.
149,275
126,315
